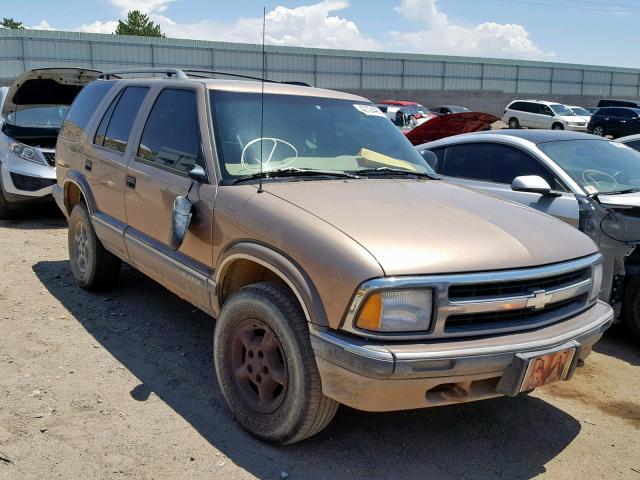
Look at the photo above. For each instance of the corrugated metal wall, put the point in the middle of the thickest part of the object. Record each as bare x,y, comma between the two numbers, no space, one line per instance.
339,69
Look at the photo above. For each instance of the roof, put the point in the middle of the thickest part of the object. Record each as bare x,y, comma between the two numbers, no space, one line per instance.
542,102
541,135
250,86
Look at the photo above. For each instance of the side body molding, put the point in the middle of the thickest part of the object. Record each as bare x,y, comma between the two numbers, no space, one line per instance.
286,268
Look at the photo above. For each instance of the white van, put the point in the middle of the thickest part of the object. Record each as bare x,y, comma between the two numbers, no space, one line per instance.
542,114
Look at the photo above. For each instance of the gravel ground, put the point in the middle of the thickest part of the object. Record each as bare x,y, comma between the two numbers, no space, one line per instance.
120,385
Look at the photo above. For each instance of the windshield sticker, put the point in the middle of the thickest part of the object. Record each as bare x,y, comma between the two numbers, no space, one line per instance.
619,145
590,189
369,110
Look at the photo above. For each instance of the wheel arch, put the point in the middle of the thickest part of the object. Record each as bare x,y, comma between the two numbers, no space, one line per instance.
75,188
248,262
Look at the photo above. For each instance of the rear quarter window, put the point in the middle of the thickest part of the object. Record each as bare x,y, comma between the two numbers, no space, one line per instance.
82,108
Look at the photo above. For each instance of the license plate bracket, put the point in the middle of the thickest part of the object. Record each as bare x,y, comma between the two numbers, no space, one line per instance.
534,369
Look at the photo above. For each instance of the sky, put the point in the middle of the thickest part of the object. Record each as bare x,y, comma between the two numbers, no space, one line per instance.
597,32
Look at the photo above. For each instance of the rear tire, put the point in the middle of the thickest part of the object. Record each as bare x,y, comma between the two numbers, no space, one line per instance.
266,368
599,130
557,126
514,123
93,267
631,307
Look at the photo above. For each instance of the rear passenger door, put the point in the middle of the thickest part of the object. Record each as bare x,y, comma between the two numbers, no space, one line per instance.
106,163
491,167
169,143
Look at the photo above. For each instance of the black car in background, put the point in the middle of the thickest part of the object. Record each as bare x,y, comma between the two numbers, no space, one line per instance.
615,121
610,102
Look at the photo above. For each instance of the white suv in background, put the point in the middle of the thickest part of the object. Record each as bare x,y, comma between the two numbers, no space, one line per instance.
542,114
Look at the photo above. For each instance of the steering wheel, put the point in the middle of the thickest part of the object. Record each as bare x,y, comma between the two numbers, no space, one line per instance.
590,177
255,163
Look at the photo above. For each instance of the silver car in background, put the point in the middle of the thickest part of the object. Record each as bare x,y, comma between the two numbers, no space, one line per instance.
33,108
589,182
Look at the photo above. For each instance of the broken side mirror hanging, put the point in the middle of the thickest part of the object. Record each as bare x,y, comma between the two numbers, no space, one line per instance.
183,210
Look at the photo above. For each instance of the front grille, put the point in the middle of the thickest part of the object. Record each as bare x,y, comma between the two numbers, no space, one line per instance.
30,184
518,318
50,157
459,293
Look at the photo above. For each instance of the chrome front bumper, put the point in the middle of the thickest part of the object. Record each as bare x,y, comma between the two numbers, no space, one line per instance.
377,377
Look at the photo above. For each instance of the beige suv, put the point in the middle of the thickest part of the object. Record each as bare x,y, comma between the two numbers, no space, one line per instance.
338,267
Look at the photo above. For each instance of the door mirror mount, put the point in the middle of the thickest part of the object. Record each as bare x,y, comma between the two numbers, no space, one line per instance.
532,184
198,174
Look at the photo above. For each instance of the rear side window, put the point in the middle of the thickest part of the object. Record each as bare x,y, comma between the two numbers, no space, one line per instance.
115,126
83,108
518,106
635,144
171,137
492,162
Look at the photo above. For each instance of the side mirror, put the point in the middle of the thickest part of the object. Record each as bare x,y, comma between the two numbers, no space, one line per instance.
531,183
180,220
198,174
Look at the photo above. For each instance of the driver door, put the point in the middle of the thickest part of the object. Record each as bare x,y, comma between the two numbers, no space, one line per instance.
167,145
491,167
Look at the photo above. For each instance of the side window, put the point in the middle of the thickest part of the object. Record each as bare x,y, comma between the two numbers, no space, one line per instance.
624,113
635,144
516,106
171,137
545,110
83,107
115,126
492,162
439,152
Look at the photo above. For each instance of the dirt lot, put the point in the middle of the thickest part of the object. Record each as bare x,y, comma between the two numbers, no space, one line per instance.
120,385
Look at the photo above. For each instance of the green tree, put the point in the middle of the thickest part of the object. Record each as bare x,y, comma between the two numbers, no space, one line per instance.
138,24
11,23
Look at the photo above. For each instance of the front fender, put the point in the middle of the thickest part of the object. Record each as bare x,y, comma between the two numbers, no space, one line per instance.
280,264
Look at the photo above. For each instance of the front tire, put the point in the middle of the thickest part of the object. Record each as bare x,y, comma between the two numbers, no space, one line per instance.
92,266
631,307
266,368
7,211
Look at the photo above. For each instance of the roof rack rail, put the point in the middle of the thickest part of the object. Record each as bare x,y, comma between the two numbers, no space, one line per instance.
189,71
168,72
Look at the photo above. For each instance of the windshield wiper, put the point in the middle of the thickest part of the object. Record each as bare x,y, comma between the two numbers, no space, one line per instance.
294,172
619,192
386,171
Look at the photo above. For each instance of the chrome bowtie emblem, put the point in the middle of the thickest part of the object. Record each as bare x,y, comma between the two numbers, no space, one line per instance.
539,300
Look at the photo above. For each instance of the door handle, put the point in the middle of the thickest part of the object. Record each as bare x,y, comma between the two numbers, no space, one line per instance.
131,181
88,165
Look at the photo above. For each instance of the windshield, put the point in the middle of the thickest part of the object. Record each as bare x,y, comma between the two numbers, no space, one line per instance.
308,133
561,110
599,166
39,117
581,111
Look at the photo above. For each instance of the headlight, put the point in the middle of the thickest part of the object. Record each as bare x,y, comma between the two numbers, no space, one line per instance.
596,282
403,310
25,152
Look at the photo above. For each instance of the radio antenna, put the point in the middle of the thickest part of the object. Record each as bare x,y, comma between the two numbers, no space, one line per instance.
264,75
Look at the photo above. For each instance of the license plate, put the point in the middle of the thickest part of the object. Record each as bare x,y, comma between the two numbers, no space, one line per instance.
549,368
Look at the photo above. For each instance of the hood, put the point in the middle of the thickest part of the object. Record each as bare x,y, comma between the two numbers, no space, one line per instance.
622,200
46,86
449,125
428,227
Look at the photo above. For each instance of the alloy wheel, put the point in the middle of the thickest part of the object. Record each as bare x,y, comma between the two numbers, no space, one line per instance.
259,366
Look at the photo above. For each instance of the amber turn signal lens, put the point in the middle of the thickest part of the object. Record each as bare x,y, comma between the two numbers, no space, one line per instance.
371,313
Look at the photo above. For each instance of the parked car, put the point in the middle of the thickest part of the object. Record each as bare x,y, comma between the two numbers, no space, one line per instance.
589,182
300,234
542,114
609,102
615,121
411,116
33,109
591,110
448,109
581,112
632,141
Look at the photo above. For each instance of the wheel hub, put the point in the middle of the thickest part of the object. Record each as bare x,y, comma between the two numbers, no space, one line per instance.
259,366
81,239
